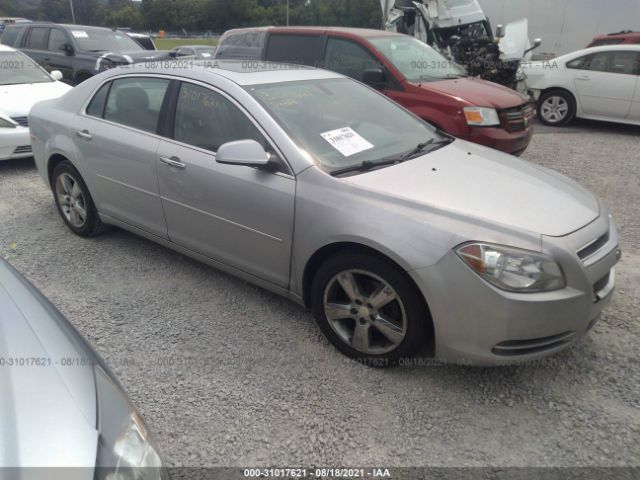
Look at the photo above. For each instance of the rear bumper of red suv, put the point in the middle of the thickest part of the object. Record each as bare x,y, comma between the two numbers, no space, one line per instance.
496,137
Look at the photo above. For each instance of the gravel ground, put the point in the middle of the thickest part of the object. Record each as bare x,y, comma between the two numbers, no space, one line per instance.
228,374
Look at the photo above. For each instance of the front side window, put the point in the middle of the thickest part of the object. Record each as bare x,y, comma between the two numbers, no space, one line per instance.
332,121
17,68
348,58
136,102
415,60
206,119
37,38
57,40
578,63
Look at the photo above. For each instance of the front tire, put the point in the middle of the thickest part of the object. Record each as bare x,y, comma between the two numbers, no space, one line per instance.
74,201
556,108
369,309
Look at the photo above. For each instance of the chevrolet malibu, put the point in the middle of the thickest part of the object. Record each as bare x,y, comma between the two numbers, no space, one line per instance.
305,182
64,415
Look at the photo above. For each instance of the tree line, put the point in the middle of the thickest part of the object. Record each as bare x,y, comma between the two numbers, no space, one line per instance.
198,15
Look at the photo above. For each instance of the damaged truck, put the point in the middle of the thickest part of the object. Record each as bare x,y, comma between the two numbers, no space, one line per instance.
460,31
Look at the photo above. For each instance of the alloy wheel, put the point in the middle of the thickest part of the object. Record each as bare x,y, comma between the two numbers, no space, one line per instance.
554,109
71,200
365,312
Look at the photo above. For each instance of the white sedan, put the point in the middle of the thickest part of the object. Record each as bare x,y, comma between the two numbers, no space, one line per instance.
599,83
22,84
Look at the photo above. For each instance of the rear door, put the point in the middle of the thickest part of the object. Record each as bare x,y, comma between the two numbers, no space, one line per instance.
118,142
237,215
606,83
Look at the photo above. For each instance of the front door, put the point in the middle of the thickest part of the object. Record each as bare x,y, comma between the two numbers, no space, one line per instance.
240,216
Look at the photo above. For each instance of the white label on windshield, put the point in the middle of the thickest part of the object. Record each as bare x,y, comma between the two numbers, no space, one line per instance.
79,34
346,141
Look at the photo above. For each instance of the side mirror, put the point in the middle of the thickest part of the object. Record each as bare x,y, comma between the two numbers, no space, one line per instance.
173,54
56,75
500,31
536,43
66,48
243,152
374,77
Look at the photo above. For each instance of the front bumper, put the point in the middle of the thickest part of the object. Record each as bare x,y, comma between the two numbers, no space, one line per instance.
514,143
478,324
15,143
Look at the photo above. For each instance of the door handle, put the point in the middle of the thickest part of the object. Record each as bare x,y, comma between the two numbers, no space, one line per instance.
84,134
583,77
173,162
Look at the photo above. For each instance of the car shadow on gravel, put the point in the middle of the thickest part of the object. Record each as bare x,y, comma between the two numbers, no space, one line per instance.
582,126
17,166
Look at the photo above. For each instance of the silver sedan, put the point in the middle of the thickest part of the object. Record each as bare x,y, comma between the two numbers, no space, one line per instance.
309,184
64,415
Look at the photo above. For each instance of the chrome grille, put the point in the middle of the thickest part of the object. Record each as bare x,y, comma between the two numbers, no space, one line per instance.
22,121
23,149
519,118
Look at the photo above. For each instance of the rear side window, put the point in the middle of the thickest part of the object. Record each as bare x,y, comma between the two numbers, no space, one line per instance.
247,45
207,120
37,38
10,35
349,58
98,102
136,102
298,49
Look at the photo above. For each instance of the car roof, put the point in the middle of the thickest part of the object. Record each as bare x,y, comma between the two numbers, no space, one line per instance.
357,32
238,71
632,47
65,25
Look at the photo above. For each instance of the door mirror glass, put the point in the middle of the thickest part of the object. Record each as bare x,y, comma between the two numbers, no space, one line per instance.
56,75
374,77
243,152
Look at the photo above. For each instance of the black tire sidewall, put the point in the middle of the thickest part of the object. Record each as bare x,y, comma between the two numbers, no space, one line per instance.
92,221
564,95
414,305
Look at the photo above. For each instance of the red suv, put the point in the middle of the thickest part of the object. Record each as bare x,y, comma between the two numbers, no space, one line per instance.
625,37
403,68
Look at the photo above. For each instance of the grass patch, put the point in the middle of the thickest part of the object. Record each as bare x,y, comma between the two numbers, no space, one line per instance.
169,43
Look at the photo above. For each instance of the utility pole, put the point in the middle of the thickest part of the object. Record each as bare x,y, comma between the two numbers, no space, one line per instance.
73,15
287,13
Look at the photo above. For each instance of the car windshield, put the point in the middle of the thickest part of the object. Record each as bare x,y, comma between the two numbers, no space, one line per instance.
98,40
417,61
16,68
342,123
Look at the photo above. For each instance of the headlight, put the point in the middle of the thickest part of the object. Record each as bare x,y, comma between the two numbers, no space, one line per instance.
481,116
125,449
7,123
513,269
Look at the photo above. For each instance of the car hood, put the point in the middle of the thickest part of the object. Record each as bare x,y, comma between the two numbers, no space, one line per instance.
17,100
477,92
47,392
489,185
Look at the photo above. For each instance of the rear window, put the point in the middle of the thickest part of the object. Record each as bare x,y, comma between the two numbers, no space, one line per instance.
10,35
298,49
242,45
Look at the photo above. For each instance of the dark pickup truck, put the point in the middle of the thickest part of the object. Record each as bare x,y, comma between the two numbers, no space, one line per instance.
78,51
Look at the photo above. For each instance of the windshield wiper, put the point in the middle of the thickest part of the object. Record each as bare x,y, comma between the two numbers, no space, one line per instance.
364,166
422,146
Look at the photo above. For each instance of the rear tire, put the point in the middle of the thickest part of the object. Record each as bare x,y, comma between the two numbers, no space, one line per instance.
74,201
556,108
369,309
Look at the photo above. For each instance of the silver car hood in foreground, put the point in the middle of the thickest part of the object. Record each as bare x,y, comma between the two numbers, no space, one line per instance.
480,182
47,391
